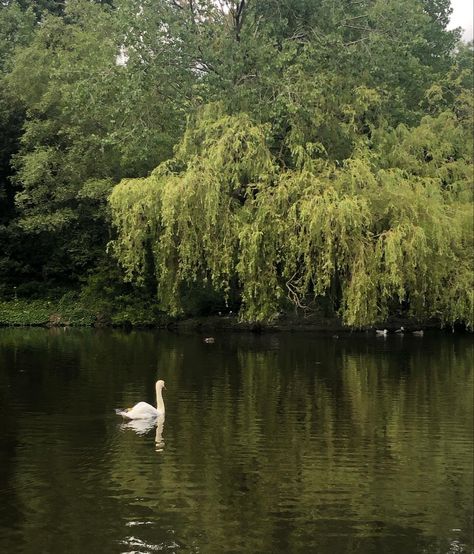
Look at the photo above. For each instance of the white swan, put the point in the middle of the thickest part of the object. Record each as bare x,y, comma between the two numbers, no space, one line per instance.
143,410
381,332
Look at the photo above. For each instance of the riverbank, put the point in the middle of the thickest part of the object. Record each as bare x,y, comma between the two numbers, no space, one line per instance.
70,312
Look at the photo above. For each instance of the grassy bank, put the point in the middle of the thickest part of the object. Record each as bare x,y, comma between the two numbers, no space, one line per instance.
70,310
44,312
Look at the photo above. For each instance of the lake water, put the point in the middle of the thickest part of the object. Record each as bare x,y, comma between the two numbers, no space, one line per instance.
279,443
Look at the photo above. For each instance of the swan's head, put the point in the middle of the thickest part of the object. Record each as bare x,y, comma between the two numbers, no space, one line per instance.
160,384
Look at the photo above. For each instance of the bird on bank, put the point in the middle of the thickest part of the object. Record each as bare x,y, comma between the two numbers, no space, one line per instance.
143,410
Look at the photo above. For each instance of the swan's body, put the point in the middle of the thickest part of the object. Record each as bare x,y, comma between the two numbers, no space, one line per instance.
418,333
381,332
400,331
143,410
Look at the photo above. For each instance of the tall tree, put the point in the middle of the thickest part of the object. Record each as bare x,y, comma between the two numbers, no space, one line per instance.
90,121
390,226
17,28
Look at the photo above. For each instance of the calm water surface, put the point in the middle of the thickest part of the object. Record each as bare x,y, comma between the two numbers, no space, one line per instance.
284,443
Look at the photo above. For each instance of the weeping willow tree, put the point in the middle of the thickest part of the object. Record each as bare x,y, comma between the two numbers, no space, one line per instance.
390,226
186,216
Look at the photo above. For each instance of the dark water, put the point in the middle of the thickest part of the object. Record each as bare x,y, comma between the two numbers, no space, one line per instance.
272,444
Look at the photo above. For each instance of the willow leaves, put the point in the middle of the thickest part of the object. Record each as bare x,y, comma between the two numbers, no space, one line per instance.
389,227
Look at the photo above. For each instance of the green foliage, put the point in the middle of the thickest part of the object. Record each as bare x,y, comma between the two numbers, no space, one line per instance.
323,73
187,220
308,154
44,312
388,226
89,122
100,302
114,302
16,30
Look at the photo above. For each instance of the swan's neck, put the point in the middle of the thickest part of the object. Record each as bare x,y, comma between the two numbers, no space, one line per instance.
160,405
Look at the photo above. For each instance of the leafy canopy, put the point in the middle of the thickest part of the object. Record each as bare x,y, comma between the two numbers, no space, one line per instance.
390,226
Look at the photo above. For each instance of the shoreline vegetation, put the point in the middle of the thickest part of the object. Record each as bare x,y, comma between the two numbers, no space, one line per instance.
65,313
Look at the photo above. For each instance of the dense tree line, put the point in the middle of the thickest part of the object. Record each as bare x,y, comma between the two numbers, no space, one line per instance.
264,155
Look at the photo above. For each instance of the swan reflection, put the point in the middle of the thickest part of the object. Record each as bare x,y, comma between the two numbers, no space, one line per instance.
159,442
139,426
144,426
